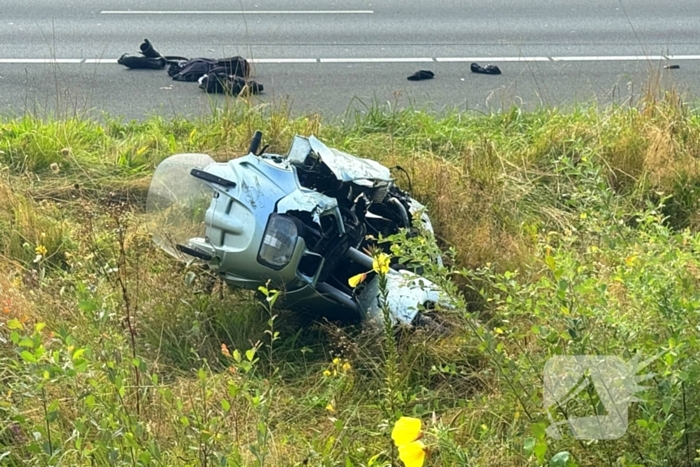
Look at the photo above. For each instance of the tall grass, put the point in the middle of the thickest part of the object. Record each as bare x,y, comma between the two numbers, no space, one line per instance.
572,232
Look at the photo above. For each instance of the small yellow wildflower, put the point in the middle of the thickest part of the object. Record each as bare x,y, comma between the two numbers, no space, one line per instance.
412,454
381,263
406,430
41,250
357,279
406,435
336,361
330,408
326,373
346,366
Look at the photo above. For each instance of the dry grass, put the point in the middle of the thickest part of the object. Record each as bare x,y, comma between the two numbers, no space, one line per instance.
493,188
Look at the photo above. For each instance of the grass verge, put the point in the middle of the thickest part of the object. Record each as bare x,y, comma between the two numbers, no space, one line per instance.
572,233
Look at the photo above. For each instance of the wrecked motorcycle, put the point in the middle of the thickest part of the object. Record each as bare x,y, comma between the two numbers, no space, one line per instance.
303,221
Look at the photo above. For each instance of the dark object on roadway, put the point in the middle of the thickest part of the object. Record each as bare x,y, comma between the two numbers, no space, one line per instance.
192,70
671,67
223,75
421,75
486,70
139,62
150,58
148,51
220,82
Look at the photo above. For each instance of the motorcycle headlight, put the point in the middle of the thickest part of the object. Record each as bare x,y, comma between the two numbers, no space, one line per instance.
279,241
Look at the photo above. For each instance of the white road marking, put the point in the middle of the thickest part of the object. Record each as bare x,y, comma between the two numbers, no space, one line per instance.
636,58
283,60
41,60
375,60
100,61
492,59
606,58
237,12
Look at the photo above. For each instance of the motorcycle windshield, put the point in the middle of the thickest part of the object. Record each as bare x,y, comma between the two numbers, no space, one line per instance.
177,202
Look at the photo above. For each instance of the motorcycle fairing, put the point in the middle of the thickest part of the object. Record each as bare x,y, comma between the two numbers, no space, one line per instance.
345,167
312,202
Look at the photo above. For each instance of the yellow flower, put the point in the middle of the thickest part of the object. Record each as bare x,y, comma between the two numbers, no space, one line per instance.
330,408
406,435
381,263
346,366
354,281
412,454
326,373
336,361
41,250
406,430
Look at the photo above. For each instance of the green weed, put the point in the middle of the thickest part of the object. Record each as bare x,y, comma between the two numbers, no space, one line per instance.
561,233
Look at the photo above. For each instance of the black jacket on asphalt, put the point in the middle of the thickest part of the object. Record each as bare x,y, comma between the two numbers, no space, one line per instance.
195,68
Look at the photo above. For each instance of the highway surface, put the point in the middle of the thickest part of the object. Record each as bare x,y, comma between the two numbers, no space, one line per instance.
329,56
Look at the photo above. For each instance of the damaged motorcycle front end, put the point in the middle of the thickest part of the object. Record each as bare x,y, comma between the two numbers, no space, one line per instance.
303,221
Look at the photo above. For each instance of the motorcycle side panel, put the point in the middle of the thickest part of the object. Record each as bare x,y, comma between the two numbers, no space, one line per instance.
407,292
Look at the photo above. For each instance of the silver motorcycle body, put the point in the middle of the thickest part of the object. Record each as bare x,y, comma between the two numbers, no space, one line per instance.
302,221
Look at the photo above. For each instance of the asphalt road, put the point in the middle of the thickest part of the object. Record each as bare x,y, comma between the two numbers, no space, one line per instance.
346,54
